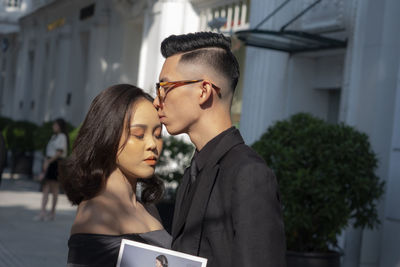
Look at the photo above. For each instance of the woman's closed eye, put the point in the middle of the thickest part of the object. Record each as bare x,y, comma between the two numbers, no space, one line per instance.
137,133
157,133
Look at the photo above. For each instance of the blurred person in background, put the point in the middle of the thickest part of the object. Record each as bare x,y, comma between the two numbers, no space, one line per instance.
117,147
56,150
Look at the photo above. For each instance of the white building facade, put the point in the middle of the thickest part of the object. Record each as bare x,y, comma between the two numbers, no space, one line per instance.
10,12
66,52
358,85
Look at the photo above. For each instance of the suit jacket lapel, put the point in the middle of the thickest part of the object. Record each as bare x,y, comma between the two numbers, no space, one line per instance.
178,220
207,180
201,197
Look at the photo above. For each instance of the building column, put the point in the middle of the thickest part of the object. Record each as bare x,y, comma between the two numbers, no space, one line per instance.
50,79
265,80
264,91
63,75
390,243
98,64
21,71
39,73
79,69
372,65
8,94
157,26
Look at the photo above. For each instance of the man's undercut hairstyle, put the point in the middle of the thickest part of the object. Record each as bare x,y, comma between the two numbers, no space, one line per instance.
213,49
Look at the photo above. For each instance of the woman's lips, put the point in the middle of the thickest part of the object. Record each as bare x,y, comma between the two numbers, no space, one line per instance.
150,161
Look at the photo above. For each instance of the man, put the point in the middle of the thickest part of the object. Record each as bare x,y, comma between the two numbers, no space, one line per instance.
227,207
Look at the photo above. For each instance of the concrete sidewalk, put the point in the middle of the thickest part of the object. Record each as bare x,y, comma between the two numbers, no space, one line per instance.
23,241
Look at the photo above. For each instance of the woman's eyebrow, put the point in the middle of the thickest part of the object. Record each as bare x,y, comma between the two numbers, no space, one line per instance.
144,126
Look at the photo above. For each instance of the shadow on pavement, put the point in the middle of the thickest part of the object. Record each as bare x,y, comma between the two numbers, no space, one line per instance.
33,243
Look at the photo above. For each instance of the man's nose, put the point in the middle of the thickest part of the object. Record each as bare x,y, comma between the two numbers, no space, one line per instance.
156,103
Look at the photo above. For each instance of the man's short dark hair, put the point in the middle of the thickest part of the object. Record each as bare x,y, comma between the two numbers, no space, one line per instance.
213,49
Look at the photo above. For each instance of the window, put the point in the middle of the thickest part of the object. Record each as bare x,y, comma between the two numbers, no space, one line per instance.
235,15
13,3
230,16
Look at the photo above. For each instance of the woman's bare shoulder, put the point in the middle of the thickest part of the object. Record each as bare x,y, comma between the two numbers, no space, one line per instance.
105,216
96,217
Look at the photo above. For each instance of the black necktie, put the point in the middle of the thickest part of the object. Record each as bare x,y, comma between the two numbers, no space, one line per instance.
188,196
193,172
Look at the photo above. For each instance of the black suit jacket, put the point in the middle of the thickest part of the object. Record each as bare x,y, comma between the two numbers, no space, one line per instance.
235,215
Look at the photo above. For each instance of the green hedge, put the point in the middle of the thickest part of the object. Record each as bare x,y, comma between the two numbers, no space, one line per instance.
19,136
4,122
44,132
177,153
72,136
326,175
25,136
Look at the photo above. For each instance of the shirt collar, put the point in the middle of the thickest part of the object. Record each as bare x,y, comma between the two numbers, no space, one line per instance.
204,154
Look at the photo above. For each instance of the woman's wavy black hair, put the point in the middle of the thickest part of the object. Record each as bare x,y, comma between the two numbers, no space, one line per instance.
94,152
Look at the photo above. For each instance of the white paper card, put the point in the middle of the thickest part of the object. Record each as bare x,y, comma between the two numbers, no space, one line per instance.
136,254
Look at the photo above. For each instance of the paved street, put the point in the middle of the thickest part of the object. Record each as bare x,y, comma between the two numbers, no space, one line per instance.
23,241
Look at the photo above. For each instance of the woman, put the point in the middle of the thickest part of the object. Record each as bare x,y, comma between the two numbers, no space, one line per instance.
161,261
117,146
56,150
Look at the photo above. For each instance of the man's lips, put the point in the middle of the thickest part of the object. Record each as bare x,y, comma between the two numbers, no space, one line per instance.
161,118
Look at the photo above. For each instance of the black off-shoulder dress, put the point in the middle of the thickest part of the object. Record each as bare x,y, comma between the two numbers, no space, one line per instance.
99,250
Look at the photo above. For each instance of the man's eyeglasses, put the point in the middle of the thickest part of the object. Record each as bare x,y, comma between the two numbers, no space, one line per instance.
163,88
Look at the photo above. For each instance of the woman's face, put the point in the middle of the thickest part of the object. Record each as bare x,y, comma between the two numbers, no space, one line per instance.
138,154
158,263
56,127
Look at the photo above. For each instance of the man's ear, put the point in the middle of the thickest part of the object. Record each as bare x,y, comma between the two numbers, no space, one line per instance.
206,92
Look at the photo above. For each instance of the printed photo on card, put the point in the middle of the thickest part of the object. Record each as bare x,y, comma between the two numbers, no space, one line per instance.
136,254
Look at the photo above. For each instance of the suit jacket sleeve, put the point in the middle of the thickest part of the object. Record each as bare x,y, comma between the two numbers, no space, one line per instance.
259,238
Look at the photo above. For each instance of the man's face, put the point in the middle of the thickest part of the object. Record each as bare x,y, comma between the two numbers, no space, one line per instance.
179,109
